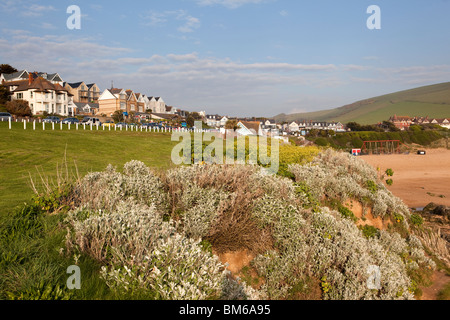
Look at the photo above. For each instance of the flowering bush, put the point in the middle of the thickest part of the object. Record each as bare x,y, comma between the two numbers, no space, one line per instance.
338,175
104,190
147,231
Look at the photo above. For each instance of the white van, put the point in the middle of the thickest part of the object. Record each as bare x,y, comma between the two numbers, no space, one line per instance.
89,120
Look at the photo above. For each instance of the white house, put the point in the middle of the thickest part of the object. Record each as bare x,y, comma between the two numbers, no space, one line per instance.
249,128
445,123
41,94
213,121
223,121
294,127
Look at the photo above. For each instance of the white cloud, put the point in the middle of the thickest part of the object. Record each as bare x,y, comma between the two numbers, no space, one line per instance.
154,19
36,10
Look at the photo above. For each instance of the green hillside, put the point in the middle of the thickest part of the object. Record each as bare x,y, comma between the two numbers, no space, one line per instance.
432,101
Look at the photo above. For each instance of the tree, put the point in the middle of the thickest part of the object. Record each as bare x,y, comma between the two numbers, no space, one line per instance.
118,116
19,108
231,124
390,126
6,68
4,96
196,115
190,121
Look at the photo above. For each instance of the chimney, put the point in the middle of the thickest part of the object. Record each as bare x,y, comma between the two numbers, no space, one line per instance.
30,79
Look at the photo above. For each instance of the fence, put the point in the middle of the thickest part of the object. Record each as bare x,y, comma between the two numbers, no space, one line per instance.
39,124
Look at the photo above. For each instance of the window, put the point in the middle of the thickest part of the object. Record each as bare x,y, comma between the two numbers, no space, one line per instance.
31,94
133,108
59,109
46,107
123,105
20,95
32,108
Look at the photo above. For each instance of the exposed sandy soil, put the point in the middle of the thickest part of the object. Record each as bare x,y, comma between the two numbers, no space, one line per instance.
418,179
440,279
236,260
365,215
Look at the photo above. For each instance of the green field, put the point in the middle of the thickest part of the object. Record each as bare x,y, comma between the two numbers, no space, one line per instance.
27,152
432,101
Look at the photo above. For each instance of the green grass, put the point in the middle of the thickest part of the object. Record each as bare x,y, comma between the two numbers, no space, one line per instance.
25,152
31,265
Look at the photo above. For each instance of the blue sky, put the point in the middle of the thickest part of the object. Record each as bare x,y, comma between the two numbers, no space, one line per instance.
235,57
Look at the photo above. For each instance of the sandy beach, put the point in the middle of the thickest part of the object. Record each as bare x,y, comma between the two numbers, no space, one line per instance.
418,179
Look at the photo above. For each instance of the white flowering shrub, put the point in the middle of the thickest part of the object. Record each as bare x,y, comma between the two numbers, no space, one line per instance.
103,190
130,230
329,247
147,231
176,269
341,176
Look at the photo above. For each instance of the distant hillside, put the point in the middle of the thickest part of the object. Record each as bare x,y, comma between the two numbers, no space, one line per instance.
432,101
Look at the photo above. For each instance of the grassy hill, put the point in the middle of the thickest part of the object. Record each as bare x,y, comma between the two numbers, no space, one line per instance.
432,101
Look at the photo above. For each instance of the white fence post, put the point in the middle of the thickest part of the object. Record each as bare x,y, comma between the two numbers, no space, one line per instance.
34,125
43,125
9,123
25,124
53,126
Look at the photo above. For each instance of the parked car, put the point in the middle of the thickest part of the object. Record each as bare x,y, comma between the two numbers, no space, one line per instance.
71,121
51,119
421,152
89,120
121,125
108,123
5,116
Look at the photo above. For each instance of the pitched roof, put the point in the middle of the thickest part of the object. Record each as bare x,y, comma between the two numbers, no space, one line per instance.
74,85
251,125
19,74
38,84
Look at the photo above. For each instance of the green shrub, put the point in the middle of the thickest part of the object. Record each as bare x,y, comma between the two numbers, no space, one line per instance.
416,219
398,218
389,182
370,231
371,186
53,201
347,213
322,142
389,172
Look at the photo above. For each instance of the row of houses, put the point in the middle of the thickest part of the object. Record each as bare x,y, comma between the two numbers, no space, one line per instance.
404,122
50,93
311,125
